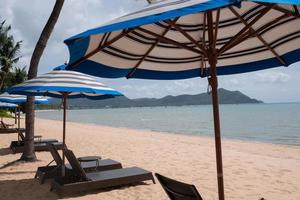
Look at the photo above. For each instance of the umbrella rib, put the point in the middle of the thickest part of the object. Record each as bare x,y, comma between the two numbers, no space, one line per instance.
185,34
169,41
133,70
283,10
99,48
239,35
249,34
203,43
217,26
257,35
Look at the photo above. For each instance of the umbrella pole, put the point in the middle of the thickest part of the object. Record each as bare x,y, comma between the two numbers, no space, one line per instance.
15,115
18,118
64,130
213,81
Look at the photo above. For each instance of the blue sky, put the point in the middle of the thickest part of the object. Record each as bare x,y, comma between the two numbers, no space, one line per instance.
28,18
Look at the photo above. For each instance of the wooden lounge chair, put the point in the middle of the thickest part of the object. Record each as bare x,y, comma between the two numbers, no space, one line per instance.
39,144
5,125
177,190
82,181
11,130
52,171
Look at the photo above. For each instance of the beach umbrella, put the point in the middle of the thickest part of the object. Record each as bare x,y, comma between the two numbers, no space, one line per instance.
64,84
8,105
18,99
178,39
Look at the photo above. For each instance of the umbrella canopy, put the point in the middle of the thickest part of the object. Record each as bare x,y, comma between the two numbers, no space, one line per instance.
8,105
64,84
5,97
168,40
177,39
57,83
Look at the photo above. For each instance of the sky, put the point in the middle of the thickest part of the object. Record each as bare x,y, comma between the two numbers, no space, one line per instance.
28,18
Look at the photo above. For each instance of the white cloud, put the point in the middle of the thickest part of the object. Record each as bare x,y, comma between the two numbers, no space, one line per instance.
272,77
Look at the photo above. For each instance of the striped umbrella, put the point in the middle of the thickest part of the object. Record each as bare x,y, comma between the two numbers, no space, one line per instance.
64,84
8,105
9,98
18,99
178,39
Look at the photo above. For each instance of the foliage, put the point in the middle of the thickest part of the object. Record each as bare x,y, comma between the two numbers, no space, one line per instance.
9,56
5,113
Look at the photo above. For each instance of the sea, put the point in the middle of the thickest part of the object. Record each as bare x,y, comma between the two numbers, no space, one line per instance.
277,123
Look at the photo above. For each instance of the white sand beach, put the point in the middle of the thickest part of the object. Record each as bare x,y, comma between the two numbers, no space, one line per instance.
252,170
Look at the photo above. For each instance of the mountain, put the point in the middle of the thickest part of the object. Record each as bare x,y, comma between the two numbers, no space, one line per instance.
225,97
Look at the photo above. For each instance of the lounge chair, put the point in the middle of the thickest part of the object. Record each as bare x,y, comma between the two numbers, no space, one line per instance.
177,190
52,171
39,144
11,130
5,125
82,181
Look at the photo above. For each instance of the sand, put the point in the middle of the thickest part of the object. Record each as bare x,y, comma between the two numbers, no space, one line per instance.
252,170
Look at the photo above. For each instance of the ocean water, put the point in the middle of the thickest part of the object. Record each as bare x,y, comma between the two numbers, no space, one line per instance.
273,123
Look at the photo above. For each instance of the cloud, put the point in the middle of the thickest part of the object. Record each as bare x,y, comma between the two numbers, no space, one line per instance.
272,77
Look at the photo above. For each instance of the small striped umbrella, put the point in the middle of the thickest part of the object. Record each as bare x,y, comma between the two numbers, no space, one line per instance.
18,99
64,84
178,39
8,105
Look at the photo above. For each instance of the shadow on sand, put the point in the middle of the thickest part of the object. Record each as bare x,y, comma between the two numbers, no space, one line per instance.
25,189
5,151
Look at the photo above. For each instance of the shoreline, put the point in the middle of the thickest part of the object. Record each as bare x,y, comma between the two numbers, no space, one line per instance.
178,133
251,170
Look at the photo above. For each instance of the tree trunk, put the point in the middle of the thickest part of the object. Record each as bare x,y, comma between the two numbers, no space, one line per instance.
28,154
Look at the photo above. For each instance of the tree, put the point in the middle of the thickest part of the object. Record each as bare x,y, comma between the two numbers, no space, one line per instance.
28,154
9,51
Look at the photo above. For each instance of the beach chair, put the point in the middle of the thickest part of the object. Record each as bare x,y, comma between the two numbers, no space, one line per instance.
5,125
11,130
82,181
177,190
52,171
39,144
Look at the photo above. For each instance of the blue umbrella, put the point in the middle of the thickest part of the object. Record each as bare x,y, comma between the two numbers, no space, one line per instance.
176,39
8,105
18,99
64,84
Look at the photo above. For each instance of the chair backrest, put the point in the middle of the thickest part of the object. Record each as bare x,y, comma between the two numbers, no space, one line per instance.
21,135
76,167
3,125
55,154
177,190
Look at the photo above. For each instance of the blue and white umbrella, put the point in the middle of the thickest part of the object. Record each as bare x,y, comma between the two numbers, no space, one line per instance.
64,84
178,39
17,99
8,105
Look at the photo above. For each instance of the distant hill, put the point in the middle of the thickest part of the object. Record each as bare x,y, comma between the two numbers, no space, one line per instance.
225,97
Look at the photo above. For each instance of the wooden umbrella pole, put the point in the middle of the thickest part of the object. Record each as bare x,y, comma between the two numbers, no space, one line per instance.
213,81
65,95
16,115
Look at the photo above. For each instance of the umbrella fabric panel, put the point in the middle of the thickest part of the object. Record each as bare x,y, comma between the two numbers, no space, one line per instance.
8,105
55,83
5,97
166,61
